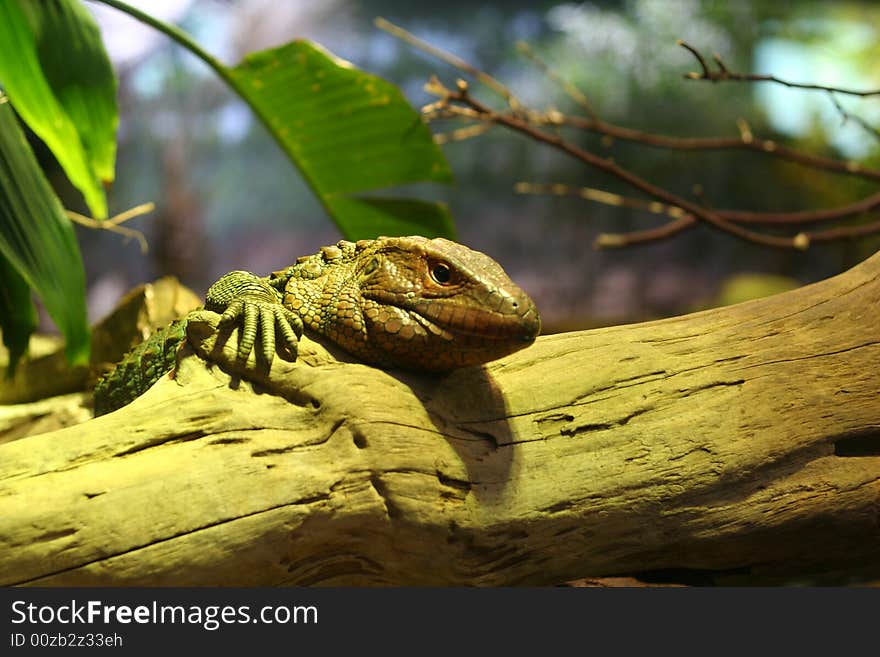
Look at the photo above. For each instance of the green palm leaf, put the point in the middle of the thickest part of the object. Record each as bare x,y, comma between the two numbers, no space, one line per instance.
37,242
56,73
349,133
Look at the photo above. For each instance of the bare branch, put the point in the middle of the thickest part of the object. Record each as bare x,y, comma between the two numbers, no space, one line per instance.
618,240
599,196
683,220
461,134
705,72
449,58
745,131
845,232
131,213
846,116
113,224
684,212
575,93
746,141
862,206
724,74
609,166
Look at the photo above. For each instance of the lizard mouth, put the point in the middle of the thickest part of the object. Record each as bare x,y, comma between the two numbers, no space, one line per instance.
445,334
521,322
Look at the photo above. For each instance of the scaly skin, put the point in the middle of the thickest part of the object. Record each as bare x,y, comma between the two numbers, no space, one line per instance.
409,302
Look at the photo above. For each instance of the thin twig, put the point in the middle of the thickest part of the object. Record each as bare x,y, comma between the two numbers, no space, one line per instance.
844,232
745,131
449,58
618,240
719,62
459,104
746,141
576,94
600,196
113,224
461,134
803,240
862,206
609,166
693,211
724,74
696,53
131,213
846,116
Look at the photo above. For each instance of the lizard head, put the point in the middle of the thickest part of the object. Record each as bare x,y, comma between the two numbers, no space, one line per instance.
433,304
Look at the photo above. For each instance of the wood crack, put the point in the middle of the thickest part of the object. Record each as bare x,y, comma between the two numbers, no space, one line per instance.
107,557
825,354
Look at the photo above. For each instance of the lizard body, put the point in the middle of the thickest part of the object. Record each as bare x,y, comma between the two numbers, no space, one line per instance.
408,302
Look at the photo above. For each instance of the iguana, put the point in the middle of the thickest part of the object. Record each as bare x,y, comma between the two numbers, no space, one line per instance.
408,302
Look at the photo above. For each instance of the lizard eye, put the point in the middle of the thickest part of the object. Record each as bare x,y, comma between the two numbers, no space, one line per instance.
372,266
441,273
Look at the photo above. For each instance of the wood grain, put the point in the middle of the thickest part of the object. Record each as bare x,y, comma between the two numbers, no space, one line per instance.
742,440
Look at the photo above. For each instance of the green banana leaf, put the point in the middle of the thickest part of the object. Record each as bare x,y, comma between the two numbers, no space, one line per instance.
373,216
56,73
37,240
349,133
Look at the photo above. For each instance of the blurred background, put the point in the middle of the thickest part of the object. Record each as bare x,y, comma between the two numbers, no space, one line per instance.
227,198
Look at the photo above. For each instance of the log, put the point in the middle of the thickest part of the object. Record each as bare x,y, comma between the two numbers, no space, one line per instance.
742,441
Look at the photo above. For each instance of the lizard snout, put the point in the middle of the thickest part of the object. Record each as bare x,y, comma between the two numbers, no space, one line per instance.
513,316
531,322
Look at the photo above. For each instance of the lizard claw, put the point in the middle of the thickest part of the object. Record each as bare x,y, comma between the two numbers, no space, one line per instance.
245,299
259,322
291,327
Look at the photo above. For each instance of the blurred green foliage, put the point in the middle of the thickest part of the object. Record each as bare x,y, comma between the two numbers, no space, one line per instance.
348,132
38,251
745,287
55,70
227,200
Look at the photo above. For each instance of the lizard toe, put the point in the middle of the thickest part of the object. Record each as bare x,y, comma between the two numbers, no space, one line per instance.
291,328
267,334
232,312
249,330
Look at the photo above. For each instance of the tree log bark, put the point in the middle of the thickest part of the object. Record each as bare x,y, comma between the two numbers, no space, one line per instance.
740,440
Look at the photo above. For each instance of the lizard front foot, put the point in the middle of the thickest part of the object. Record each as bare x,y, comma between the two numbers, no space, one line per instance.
251,303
